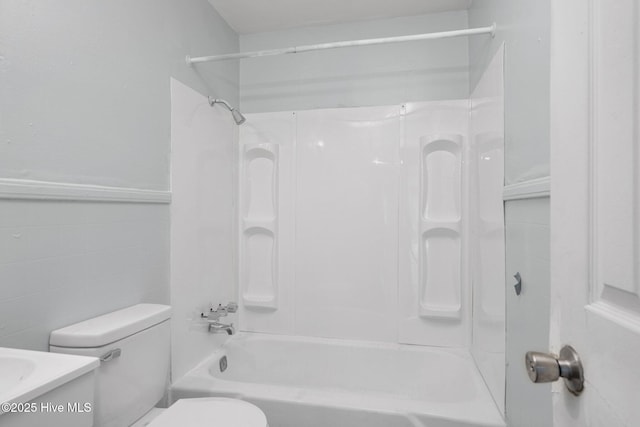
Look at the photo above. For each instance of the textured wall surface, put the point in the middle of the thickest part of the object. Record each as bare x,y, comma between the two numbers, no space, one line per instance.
524,29
527,247
356,76
84,88
62,262
85,100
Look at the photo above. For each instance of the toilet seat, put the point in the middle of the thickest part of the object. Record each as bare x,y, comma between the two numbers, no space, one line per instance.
211,411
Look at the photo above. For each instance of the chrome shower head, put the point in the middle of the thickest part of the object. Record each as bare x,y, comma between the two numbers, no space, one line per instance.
237,115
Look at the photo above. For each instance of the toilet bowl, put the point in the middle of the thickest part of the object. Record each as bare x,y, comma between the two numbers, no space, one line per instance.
133,345
222,411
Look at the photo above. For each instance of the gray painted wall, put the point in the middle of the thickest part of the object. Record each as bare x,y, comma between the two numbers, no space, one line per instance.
84,86
524,28
362,76
62,262
527,247
84,98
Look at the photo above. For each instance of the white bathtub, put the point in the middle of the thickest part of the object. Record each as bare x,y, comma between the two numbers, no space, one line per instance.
315,382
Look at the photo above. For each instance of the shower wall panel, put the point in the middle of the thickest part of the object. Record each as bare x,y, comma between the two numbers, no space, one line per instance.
353,223
203,221
346,223
487,246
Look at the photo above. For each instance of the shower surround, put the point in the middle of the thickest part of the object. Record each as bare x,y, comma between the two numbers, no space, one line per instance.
370,261
353,223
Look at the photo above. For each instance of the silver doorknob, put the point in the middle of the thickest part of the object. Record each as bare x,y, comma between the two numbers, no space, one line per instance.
544,368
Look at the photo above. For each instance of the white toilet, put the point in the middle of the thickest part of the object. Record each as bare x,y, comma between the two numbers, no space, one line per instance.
134,347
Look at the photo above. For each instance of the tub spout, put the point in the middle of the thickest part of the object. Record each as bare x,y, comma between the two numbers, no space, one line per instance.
219,328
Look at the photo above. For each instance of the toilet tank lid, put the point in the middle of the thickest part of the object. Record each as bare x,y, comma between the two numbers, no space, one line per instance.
111,327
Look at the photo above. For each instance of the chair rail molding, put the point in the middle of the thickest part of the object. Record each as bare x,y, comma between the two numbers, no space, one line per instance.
531,189
45,190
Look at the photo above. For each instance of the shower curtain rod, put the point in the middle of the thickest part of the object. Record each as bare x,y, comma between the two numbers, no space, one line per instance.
322,46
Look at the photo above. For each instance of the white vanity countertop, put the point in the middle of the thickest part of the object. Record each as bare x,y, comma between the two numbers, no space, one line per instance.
26,374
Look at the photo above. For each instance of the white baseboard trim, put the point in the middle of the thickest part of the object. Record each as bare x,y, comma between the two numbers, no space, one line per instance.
532,189
43,190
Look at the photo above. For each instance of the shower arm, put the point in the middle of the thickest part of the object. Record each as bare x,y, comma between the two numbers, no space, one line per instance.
213,101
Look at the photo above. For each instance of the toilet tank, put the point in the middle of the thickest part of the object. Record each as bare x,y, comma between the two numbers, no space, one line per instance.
134,347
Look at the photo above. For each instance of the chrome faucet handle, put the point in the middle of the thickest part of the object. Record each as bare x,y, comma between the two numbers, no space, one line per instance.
220,311
212,315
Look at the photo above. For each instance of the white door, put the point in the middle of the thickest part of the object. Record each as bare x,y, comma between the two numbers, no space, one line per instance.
595,207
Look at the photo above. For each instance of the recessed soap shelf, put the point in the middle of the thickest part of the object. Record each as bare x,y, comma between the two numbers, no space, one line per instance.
259,234
440,249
